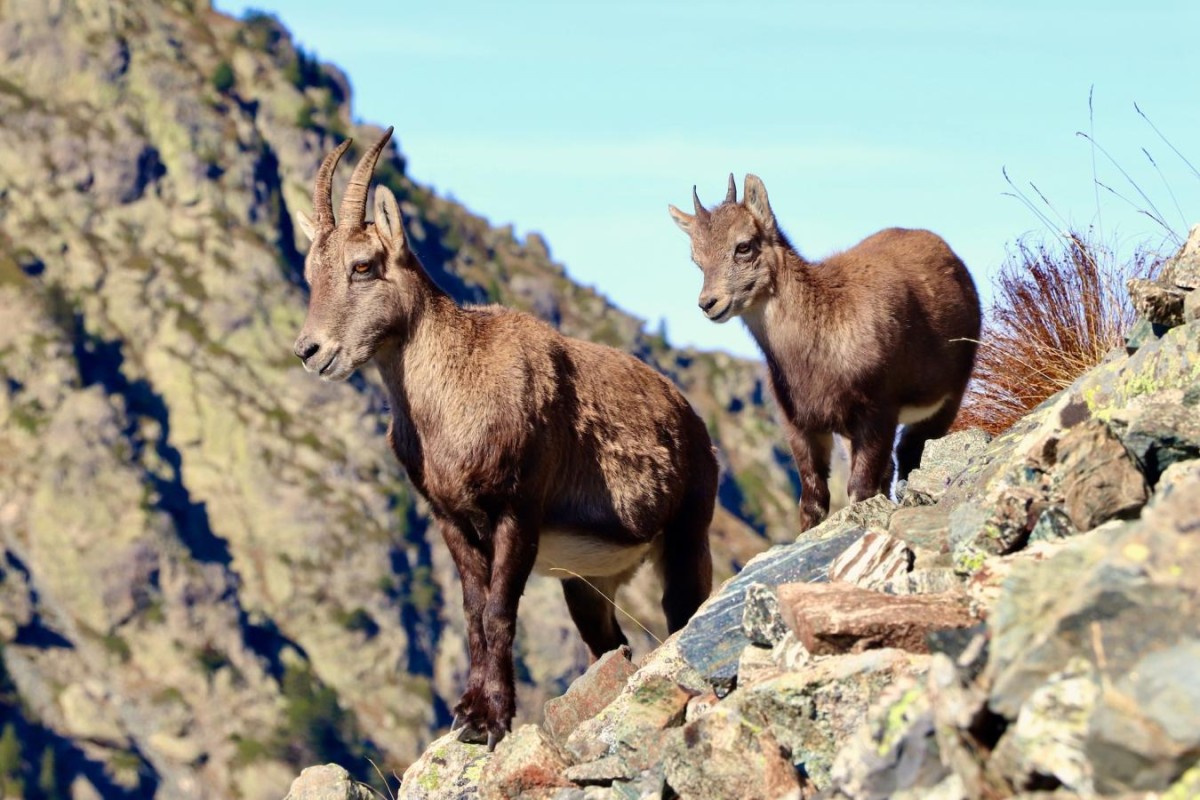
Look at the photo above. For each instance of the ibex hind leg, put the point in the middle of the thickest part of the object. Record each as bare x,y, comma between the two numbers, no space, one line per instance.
914,436
684,561
591,605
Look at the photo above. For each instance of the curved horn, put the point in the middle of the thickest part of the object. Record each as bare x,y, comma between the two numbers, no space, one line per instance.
323,189
731,193
353,210
701,211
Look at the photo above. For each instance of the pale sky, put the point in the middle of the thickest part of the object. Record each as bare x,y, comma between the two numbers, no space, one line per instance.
582,121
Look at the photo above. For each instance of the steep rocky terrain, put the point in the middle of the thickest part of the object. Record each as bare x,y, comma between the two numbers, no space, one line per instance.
213,572
1024,623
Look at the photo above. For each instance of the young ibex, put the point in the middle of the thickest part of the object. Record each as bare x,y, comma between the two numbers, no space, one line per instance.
878,336
535,451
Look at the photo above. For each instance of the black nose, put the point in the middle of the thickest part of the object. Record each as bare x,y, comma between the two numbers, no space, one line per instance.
305,349
707,303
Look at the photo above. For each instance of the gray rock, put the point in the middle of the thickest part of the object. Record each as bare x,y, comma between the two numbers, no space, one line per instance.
588,694
943,460
1147,728
723,755
761,623
979,529
814,709
1183,271
526,762
654,700
872,561
1158,302
1122,596
1141,333
1158,434
925,529
933,580
1047,738
447,770
713,640
1099,480
895,750
1052,525
327,782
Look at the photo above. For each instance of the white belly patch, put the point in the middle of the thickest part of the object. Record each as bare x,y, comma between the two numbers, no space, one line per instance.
589,556
911,414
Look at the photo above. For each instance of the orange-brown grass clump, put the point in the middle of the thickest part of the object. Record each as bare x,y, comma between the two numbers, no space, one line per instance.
1059,309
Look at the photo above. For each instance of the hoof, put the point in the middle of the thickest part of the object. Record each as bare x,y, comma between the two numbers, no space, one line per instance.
473,735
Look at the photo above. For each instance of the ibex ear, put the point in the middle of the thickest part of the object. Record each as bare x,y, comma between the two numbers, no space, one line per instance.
388,222
307,225
684,221
755,198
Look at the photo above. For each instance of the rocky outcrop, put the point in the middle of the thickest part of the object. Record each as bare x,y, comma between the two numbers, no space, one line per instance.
1026,624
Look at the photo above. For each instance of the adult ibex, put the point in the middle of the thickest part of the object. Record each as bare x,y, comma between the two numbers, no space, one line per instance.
878,336
535,451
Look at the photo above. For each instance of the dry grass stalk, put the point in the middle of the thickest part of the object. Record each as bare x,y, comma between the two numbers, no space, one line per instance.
1059,309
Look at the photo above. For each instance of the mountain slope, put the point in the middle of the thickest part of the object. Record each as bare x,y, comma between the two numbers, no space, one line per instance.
214,571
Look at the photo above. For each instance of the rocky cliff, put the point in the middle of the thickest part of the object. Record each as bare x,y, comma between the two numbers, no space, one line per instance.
1024,623
213,571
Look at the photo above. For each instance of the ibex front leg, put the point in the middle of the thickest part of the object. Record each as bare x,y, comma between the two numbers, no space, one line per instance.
811,451
474,571
514,549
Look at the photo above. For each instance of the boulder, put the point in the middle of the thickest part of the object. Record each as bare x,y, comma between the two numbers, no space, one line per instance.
1124,596
1099,479
811,711
925,530
714,639
1159,432
893,751
934,580
872,561
1160,303
722,755
327,782
761,623
588,694
1048,737
526,764
447,770
653,700
942,461
841,618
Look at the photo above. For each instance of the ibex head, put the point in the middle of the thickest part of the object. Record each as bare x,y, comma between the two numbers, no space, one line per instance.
364,278
735,245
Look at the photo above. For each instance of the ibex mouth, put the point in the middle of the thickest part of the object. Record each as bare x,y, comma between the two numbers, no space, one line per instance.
330,365
720,315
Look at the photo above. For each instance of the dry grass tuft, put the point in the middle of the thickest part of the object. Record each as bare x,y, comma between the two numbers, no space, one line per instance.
1060,307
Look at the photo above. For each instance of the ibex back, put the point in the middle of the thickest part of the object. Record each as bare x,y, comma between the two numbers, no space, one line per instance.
879,335
534,450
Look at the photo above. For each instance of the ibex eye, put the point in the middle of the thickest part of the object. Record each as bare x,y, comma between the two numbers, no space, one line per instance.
743,248
362,267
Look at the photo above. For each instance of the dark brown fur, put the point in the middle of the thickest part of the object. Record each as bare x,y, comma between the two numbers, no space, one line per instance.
853,344
529,446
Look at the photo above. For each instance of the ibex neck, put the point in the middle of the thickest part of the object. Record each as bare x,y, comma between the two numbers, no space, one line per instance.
792,305
420,355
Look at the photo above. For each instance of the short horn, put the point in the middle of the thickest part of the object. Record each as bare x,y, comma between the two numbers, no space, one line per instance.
701,211
323,190
731,192
353,210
